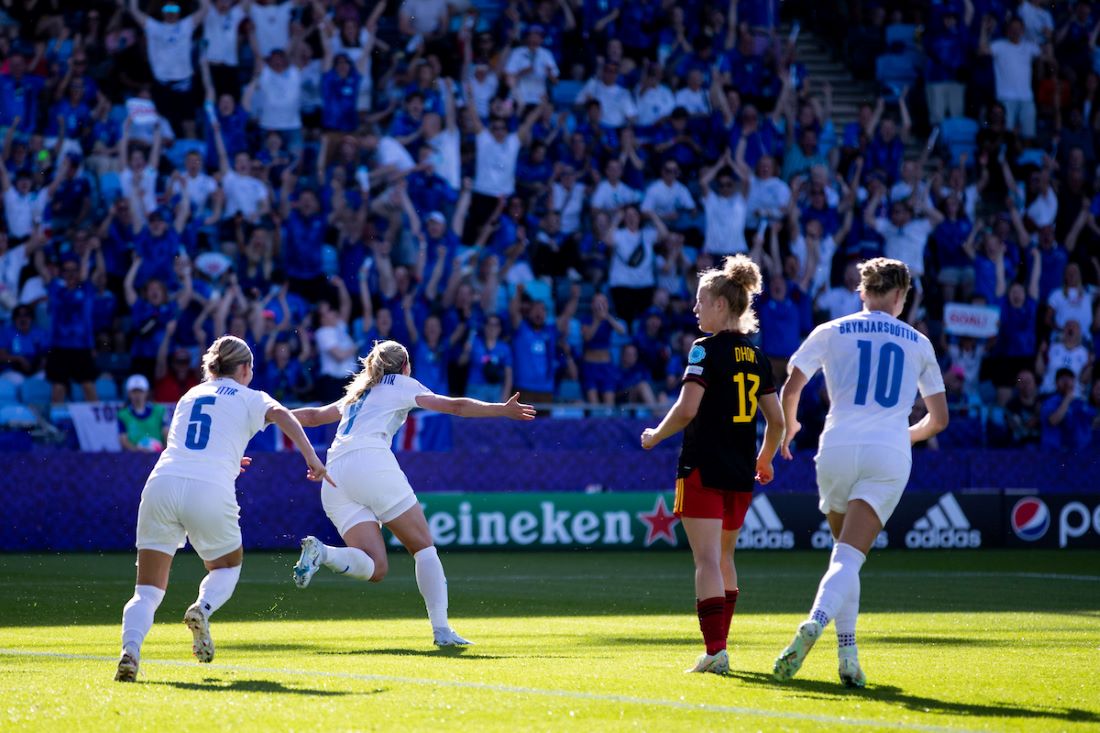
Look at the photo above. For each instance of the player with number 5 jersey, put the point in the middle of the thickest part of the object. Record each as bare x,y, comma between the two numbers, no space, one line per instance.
726,383
874,365
190,493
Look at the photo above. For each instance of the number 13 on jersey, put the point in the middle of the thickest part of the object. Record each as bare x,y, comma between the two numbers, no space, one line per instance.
747,386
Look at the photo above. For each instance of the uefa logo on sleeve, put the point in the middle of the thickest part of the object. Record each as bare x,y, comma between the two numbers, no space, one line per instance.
1030,518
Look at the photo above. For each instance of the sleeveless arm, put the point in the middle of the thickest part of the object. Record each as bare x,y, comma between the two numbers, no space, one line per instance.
313,416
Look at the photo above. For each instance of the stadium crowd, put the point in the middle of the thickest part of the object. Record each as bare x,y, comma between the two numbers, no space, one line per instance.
523,193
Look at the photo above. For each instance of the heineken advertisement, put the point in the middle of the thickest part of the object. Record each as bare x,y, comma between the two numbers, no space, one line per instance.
952,520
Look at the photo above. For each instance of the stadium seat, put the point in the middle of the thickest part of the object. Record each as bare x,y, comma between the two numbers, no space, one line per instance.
565,93
17,416
959,135
180,149
106,389
901,33
9,393
896,71
76,393
35,391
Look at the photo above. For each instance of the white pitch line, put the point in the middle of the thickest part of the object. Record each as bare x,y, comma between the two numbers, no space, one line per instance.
514,689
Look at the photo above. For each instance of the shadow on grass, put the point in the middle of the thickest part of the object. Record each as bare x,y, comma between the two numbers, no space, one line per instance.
896,696
269,646
269,687
926,641
453,652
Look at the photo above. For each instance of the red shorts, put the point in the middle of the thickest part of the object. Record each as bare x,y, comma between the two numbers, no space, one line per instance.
698,502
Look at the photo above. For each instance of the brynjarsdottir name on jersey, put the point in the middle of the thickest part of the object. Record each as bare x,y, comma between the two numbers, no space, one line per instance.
895,329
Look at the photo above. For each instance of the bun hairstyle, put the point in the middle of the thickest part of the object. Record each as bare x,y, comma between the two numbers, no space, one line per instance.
881,275
386,357
223,358
737,283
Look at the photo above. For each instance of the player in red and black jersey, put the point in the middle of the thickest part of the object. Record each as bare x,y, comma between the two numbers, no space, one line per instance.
726,382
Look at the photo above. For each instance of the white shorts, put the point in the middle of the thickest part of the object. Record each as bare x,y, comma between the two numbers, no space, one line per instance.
370,487
875,474
173,507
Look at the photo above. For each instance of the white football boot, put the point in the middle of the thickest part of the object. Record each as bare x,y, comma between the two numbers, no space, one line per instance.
792,657
447,637
127,667
715,663
851,674
202,646
309,562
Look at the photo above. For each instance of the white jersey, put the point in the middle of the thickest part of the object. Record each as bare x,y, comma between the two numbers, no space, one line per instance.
874,364
373,419
210,428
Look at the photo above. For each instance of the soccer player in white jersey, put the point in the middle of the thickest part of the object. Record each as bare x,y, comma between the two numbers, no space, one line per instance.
874,365
372,490
191,492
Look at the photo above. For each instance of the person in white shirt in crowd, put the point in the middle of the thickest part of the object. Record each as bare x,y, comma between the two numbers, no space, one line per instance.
271,24
653,100
392,160
1042,208
1071,302
1069,353
567,197
423,19
245,192
442,135
906,231
497,152
726,208
694,96
912,180
843,300
616,102
1013,58
633,274
530,68
358,44
669,199
611,193
279,85
336,349
168,43
769,195
23,206
195,184
139,174
13,258
220,31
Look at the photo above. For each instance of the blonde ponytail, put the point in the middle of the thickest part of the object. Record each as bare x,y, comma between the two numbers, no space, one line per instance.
223,358
737,283
386,357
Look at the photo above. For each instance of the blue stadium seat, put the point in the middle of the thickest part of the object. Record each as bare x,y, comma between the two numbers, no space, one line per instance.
895,71
35,391
17,416
565,93
106,389
901,33
959,135
9,393
76,393
180,149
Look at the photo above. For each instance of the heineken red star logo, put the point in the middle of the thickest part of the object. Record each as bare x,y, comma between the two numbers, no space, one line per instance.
660,523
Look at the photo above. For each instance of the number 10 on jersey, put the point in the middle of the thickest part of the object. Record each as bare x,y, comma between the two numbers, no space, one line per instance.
891,362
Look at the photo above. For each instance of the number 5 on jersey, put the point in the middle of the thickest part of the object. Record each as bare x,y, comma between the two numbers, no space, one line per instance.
746,399
198,424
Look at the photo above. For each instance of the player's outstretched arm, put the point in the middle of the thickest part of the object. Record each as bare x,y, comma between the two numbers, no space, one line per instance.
289,424
311,417
792,390
934,422
676,419
773,434
513,409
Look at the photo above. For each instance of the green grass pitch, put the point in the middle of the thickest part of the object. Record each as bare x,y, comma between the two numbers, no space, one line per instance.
965,640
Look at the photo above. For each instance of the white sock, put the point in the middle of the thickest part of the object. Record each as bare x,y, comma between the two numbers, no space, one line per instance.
349,561
846,625
216,588
840,583
137,616
433,586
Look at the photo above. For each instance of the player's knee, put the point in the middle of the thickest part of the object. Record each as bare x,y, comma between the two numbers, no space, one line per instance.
381,567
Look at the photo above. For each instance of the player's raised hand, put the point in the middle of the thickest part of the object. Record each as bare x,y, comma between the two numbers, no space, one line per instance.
649,438
515,410
793,426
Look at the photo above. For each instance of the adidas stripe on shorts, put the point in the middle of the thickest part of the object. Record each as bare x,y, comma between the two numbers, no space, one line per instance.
875,474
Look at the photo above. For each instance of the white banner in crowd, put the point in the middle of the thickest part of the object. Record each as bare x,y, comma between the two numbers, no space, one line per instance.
96,425
979,321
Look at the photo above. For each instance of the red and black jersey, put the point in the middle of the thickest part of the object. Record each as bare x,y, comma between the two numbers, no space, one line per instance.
721,440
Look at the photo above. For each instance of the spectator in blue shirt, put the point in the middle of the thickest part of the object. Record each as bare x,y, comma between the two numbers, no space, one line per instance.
599,374
19,94
1017,341
535,345
1067,419
157,245
780,325
952,239
340,88
71,338
490,363
303,238
23,345
150,314
947,49
429,353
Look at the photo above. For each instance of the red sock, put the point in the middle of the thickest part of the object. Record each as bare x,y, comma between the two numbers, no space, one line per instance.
731,603
711,618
